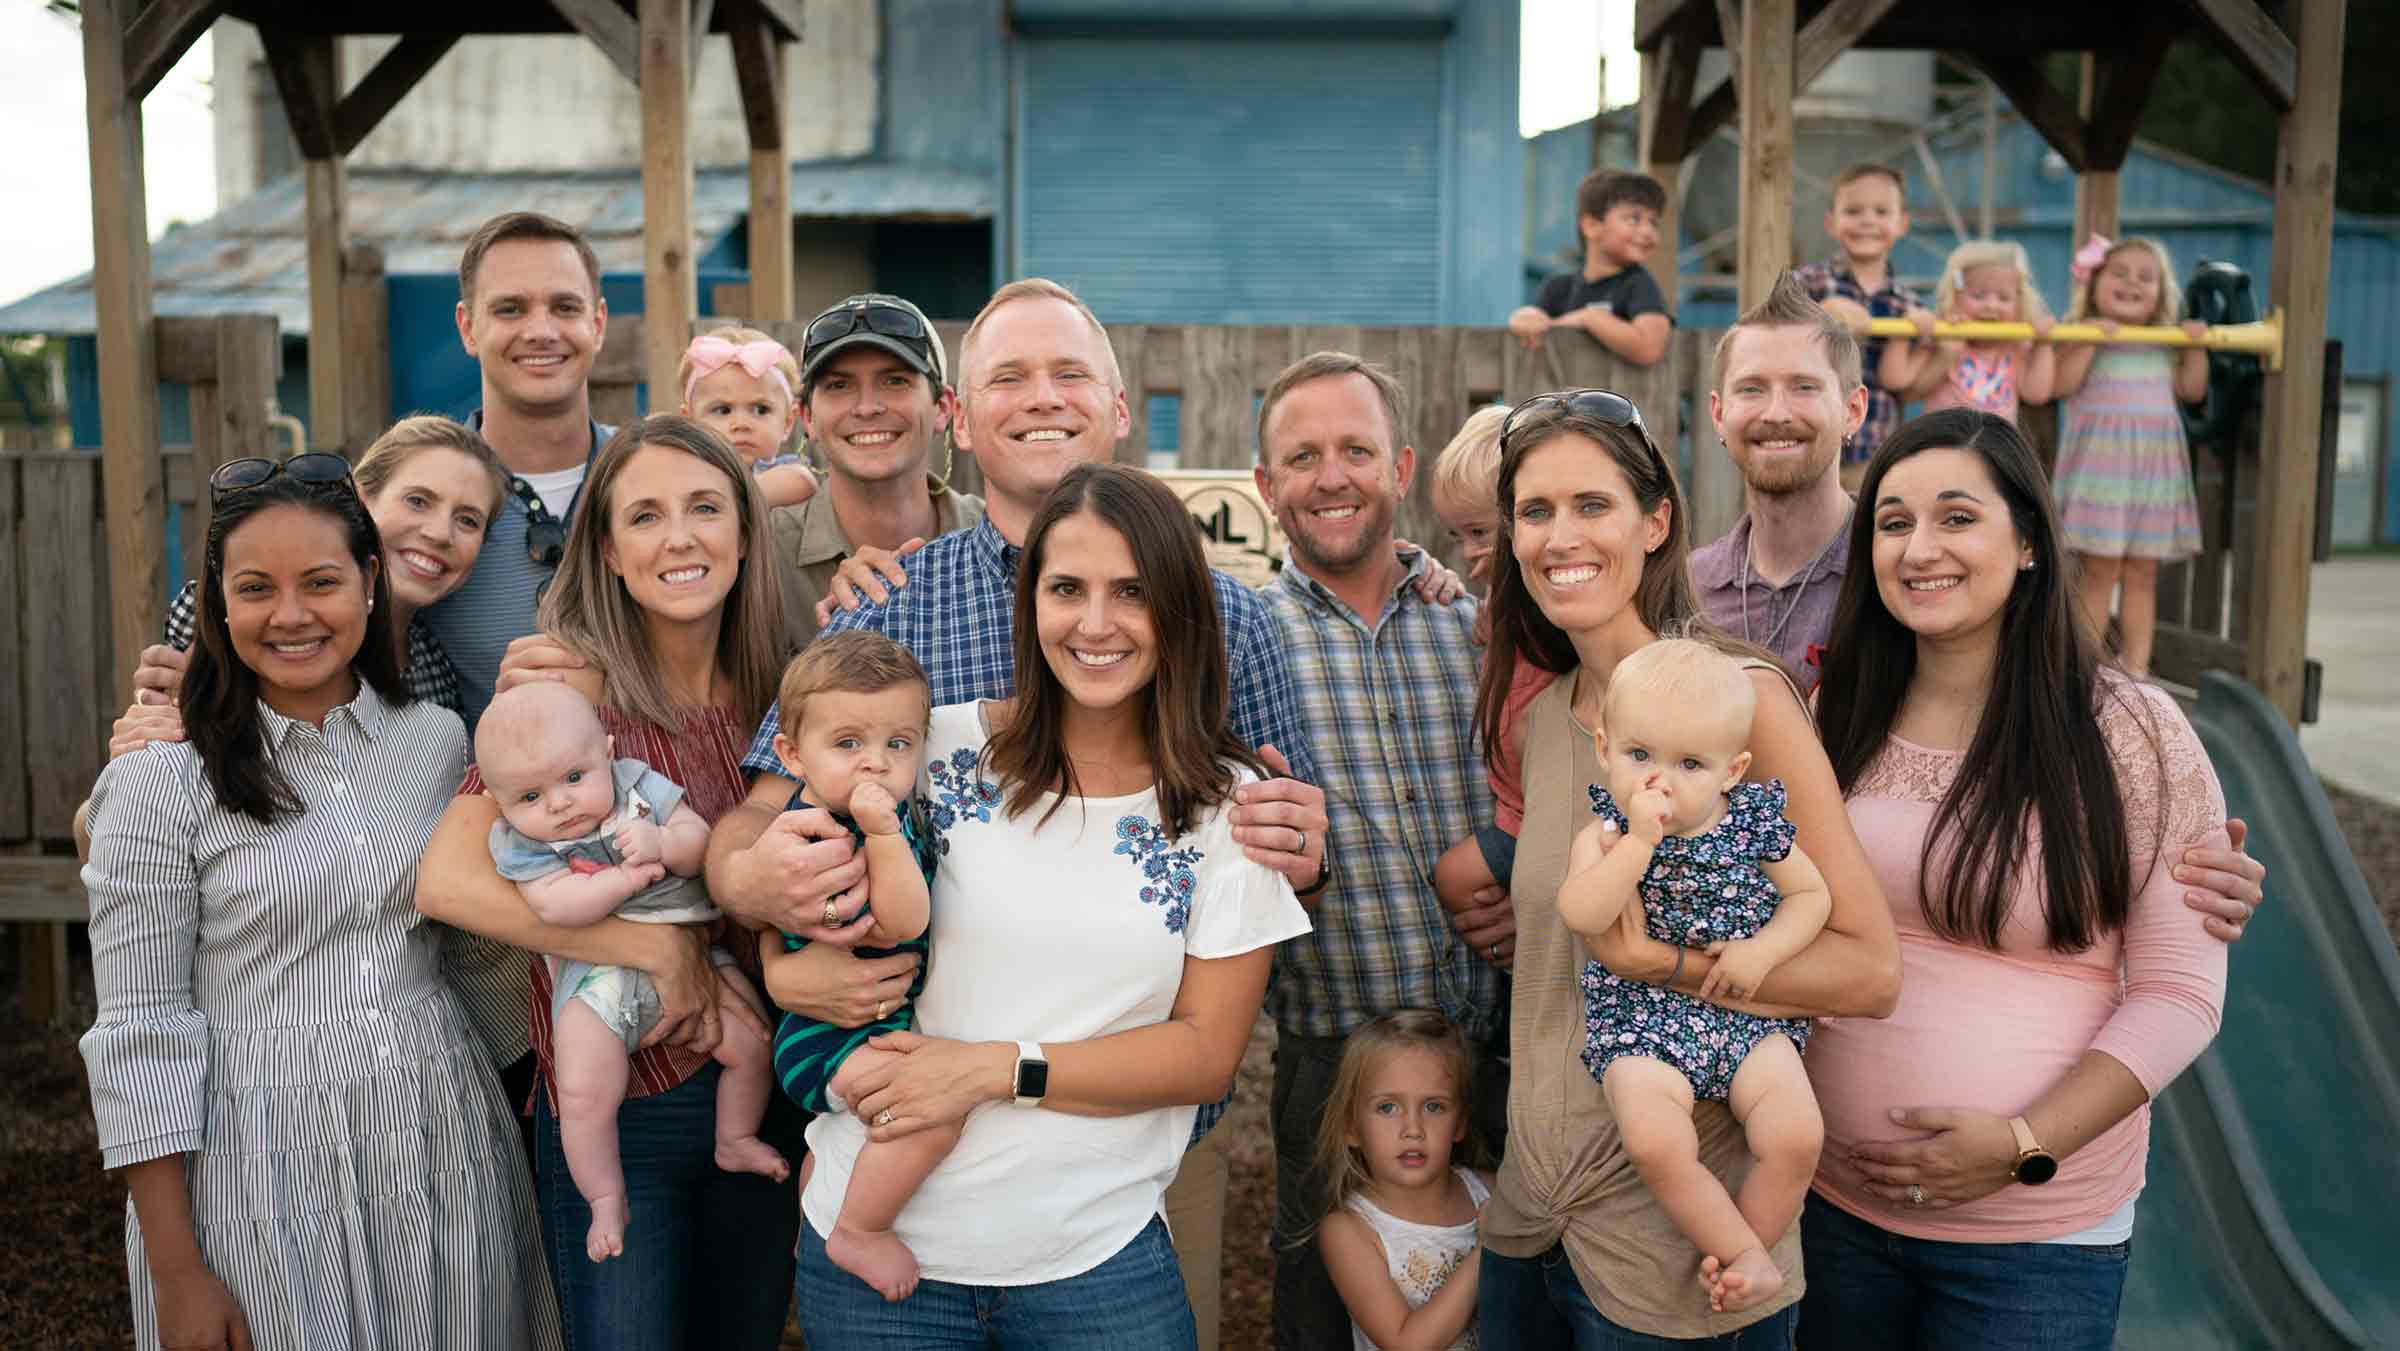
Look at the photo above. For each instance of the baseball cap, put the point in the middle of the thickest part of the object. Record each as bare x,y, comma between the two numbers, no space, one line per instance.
874,320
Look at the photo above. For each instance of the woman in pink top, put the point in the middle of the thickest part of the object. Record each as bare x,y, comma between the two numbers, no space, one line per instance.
2022,805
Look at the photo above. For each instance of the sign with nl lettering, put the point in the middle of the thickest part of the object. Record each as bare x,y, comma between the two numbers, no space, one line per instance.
1241,535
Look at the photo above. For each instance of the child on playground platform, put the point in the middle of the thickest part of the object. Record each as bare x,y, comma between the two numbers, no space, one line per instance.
1868,217
2124,478
740,383
856,706
1985,281
1399,1239
584,837
1613,297
1703,860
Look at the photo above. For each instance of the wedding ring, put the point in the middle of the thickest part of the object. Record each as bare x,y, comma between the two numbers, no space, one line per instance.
1492,951
884,1117
1302,847
1916,1194
833,915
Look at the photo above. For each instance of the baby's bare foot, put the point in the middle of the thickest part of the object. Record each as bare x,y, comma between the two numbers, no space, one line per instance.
606,1238
749,1154
1752,1276
876,1256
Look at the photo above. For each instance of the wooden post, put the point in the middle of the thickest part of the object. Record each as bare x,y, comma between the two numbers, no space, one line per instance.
2298,278
328,427
670,286
135,487
2096,187
366,345
1669,72
759,67
1765,104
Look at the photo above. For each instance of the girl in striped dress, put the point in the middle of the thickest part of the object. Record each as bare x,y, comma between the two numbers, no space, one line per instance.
2124,478
314,1143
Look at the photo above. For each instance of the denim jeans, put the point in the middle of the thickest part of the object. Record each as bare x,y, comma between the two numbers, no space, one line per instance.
708,1254
1134,1301
1538,1301
1869,1288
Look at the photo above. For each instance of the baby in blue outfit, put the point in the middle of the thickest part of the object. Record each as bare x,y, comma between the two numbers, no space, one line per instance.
585,837
1707,861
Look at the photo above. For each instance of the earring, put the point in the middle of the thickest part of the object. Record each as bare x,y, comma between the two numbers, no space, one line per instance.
2026,566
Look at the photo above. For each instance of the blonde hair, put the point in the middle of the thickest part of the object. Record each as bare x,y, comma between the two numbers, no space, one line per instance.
742,337
2170,296
405,439
1033,288
853,662
1682,673
1343,1167
530,718
1468,469
1977,253
589,610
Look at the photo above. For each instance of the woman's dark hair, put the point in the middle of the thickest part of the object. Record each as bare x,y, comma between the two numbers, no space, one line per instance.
1664,598
221,693
2038,760
1193,750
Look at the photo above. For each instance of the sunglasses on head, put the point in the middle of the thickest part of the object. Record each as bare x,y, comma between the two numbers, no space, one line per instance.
875,316
1604,406
316,467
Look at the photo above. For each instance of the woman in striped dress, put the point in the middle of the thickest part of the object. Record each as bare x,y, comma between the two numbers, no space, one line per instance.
316,1150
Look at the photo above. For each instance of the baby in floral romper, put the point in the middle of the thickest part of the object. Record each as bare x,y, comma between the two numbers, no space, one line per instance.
1699,859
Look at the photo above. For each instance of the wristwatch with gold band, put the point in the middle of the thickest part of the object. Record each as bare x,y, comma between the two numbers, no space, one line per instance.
2035,1165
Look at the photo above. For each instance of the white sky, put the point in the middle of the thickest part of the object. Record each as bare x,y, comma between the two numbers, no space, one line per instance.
46,195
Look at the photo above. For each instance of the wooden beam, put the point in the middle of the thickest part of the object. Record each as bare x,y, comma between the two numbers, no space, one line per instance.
703,11
158,39
758,67
2037,100
614,32
1652,19
328,225
366,346
134,488
307,75
2125,79
786,15
1729,37
1766,166
1835,30
670,288
1712,114
2098,191
1667,76
2251,40
384,86
2299,278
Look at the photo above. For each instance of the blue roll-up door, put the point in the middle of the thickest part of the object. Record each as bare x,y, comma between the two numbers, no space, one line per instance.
1283,179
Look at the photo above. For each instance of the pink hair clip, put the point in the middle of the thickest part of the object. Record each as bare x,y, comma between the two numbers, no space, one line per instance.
2089,258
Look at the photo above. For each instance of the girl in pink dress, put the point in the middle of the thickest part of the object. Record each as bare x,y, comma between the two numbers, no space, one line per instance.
1987,281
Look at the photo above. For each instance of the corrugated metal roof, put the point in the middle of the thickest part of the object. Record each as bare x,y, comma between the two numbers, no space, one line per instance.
253,256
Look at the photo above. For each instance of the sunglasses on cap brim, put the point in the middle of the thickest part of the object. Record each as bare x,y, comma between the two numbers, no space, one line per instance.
875,316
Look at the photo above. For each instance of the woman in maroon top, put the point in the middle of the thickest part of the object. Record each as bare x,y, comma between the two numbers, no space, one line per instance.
658,592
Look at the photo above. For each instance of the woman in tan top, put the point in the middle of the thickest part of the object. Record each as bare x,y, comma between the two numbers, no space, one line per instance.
1577,1251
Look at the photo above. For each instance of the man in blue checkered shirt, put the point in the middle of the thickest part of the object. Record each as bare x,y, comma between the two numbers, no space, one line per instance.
1387,681
1039,394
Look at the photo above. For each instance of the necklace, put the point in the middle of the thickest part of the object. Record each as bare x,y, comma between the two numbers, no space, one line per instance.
1788,610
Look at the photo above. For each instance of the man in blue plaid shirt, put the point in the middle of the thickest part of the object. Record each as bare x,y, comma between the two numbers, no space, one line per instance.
1387,682
1039,394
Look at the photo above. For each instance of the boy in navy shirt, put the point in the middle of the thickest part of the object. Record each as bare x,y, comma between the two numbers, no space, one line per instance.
1612,297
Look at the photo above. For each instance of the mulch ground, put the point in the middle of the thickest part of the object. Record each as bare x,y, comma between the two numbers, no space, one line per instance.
62,1238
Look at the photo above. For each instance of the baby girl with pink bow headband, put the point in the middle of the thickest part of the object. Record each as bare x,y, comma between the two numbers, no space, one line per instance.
740,383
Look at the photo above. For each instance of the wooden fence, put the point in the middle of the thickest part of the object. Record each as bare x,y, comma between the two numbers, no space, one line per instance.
61,684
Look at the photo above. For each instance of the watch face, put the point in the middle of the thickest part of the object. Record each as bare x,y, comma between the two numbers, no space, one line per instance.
2035,1169
1033,1078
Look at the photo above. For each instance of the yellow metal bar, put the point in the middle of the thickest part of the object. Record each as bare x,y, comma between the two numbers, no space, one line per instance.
2263,338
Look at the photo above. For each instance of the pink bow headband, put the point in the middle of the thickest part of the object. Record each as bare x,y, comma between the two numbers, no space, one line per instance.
709,354
2089,258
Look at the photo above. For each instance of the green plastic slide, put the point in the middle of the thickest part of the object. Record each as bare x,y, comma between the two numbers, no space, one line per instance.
2272,1213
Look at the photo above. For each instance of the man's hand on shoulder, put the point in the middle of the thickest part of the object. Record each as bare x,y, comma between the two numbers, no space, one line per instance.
868,574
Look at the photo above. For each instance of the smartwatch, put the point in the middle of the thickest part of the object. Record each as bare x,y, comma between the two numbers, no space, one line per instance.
2035,1165
1032,1082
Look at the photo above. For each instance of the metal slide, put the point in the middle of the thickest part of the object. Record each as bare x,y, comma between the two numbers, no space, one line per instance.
2272,1213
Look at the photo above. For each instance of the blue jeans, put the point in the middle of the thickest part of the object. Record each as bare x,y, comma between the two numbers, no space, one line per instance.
1538,1301
1869,1288
708,1254
1134,1301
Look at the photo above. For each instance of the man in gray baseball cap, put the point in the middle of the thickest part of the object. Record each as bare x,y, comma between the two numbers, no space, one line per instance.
874,401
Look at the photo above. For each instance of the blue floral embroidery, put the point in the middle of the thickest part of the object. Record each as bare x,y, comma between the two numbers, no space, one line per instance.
959,794
1168,870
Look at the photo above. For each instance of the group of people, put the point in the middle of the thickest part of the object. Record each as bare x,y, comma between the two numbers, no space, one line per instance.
722,823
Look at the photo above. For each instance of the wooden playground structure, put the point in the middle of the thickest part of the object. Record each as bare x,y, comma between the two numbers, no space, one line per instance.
87,609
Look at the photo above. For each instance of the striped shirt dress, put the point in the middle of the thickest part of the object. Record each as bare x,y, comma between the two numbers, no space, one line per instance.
271,1007
2124,482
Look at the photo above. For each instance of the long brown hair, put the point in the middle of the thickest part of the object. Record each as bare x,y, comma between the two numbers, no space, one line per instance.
2038,759
1193,751
588,608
